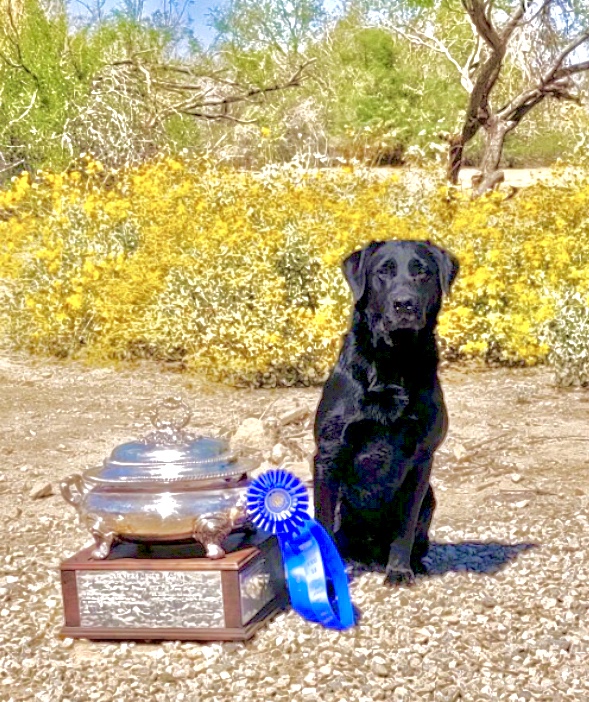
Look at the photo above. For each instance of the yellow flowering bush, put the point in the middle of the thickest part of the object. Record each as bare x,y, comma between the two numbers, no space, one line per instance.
238,273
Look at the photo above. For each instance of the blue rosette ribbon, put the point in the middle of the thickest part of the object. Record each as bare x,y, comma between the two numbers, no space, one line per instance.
277,502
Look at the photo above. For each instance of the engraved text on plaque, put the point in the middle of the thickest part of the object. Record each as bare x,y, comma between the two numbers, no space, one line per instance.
150,598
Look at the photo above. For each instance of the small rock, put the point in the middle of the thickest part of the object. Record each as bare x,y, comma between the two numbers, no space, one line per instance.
422,636
278,454
516,477
459,451
41,489
253,436
415,662
521,504
297,414
283,682
13,513
379,668
488,601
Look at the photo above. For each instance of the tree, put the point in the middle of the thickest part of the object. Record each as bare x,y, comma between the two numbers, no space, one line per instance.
382,96
37,81
545,41
285,27
118,89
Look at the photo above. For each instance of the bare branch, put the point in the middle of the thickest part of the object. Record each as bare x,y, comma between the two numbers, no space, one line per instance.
574,44
228,118
434,44
517,16
570,70
4,169
194,106
155,89
26,112
555,82
477,12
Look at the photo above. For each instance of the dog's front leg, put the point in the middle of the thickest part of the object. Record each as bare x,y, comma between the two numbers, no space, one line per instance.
412,493
326,489
330,456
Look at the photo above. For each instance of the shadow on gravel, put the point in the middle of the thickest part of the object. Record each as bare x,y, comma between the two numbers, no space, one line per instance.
472,556
485,557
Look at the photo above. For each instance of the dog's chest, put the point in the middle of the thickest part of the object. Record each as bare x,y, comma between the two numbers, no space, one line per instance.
385,406
378,457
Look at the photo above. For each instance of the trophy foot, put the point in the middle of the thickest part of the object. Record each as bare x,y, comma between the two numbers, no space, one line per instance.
103,543
214,551
211,529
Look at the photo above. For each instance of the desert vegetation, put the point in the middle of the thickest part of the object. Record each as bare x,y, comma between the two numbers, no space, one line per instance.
168,201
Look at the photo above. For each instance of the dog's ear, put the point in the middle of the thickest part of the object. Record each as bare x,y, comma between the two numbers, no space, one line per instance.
448,266
354,267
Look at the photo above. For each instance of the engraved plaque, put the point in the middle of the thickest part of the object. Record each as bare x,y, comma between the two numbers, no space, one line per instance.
156,599
256,587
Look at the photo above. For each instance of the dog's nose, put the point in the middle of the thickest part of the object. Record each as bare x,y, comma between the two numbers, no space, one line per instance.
404,304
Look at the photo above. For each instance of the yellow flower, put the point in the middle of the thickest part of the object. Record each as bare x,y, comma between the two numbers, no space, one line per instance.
75,301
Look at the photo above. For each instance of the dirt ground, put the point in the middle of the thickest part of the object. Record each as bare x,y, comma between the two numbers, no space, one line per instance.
515,467
513,436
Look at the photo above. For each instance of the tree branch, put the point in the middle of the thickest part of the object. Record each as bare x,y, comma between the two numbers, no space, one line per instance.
478,16
518,14
555,82
206,96
434,44
574,44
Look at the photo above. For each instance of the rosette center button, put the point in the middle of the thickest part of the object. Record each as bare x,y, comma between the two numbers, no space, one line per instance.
278,500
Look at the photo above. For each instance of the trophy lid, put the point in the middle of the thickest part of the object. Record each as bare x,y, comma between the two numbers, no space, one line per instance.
168,454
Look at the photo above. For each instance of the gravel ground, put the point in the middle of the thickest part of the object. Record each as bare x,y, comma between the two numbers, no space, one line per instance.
500,616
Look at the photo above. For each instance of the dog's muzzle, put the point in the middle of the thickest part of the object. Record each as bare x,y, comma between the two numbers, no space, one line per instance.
403,313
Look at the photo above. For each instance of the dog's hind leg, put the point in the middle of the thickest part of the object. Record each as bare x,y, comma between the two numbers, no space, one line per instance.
421,543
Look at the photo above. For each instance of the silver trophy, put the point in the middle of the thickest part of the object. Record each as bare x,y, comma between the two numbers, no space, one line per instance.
167,486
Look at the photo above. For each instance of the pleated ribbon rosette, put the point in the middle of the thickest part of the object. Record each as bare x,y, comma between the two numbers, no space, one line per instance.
277,503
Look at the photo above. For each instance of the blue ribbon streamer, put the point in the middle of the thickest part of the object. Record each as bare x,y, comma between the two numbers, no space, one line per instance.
277,502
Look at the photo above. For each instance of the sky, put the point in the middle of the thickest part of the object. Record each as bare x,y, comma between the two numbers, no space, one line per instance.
199,12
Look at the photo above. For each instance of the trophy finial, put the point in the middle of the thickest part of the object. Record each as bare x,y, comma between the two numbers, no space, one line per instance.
169,417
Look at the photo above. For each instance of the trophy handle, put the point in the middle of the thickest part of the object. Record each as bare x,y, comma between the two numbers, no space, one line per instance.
72,489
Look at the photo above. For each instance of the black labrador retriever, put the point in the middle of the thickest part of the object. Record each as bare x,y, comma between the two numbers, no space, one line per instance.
382,413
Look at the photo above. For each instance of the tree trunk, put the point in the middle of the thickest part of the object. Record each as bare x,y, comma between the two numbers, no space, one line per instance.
489,175
455,153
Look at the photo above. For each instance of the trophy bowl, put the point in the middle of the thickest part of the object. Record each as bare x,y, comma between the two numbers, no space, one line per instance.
168,486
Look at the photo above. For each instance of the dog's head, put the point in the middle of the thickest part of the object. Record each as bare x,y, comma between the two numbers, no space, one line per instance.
399,285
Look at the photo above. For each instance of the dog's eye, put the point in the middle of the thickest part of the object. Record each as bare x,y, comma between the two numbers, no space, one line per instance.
418,271
386,272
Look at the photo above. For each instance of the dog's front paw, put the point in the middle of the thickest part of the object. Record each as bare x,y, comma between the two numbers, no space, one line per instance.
399,576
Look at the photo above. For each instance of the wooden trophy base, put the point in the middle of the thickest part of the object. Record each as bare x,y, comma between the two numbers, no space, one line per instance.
170,591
